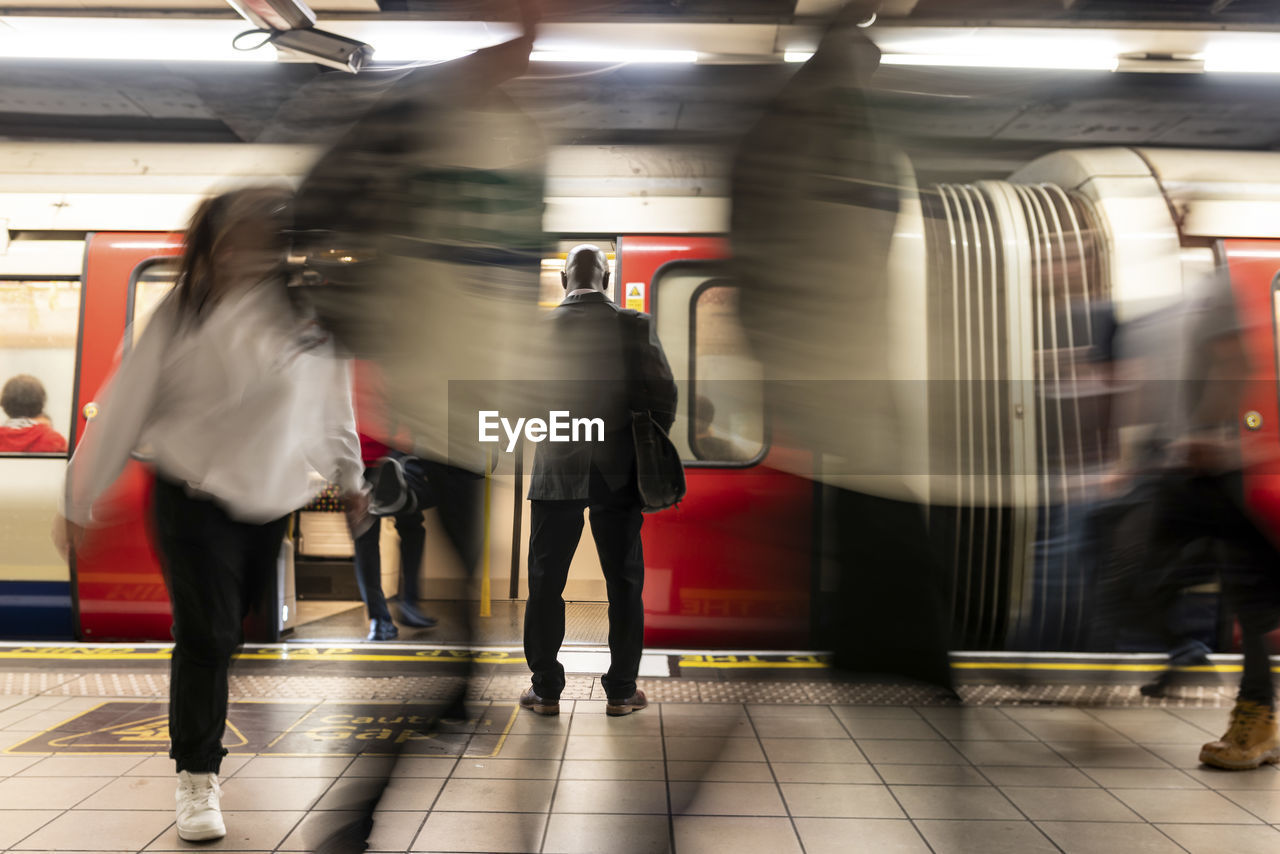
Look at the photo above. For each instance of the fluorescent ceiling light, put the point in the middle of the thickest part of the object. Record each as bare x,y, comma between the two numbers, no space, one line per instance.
125,39
400,42
1053,49
620,55
1050,63
992,60
1242,59
192,40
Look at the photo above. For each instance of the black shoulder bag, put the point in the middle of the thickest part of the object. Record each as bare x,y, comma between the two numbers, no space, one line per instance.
659,472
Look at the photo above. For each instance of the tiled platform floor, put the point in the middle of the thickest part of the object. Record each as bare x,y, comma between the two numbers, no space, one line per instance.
694,778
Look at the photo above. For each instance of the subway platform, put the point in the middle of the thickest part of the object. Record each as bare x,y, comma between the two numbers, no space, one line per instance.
739,752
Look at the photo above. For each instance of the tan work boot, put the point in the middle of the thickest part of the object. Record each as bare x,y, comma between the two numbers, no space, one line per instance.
1251,740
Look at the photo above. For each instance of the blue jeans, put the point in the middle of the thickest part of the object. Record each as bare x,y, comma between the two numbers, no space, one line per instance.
368,562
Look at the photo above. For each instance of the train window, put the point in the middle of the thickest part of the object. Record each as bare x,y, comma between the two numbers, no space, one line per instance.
39,324
151,282
726,382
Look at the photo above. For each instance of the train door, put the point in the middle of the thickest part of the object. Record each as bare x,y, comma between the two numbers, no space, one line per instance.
117,576
40,291
731,566
1254,268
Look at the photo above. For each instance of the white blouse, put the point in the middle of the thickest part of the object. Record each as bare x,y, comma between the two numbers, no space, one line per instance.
251,408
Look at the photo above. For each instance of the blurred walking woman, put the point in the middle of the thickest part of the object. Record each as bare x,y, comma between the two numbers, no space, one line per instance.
237,399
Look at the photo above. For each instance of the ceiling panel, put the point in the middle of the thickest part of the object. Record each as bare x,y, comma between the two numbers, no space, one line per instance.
180,5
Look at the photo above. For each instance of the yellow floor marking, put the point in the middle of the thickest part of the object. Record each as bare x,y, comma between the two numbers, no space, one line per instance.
148,728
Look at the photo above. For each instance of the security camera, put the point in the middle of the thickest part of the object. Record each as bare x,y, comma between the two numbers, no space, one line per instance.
293,33
314,45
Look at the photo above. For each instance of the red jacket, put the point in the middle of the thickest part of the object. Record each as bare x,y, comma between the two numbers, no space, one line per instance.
36,439
371,450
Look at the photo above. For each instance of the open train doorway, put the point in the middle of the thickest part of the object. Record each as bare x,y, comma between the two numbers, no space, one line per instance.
329,607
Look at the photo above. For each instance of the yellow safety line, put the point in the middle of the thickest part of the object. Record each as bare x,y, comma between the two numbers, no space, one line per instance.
482,658
1059,665
979,665
306,654
163,655
158,655
730,665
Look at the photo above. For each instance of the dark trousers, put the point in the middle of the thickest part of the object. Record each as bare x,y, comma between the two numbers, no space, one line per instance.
215,569
368,561
556,527
887,614
455,493
1187,507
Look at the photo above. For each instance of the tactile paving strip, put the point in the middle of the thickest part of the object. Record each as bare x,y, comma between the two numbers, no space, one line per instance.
1111,696
505,686
34,682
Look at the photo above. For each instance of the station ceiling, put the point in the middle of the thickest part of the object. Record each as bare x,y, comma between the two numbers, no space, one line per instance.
1060,12
961,121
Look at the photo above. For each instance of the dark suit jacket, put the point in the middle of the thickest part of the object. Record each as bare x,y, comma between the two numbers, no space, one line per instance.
606,368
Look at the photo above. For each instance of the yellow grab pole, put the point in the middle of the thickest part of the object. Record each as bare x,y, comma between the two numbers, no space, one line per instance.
486,606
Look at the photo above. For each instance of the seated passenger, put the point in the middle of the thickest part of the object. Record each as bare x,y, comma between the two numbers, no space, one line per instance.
26,428
706,444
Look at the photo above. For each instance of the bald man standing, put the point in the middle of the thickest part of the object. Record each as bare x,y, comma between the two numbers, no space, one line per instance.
609,364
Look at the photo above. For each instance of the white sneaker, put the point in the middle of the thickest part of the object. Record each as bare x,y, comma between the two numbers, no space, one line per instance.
199,807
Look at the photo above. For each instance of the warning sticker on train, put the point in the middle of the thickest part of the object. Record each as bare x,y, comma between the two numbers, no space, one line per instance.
635,296
286,728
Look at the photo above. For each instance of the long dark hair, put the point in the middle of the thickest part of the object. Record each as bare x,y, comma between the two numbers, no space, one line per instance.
209,226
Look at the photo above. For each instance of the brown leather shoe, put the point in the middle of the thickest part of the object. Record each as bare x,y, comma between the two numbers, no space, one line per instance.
634,703
537,705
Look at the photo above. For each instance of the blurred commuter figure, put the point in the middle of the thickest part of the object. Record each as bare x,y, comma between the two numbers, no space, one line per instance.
815,202
1075,390
26,429
237,399
1187,369
424,227
1136,604
603,375
407,517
